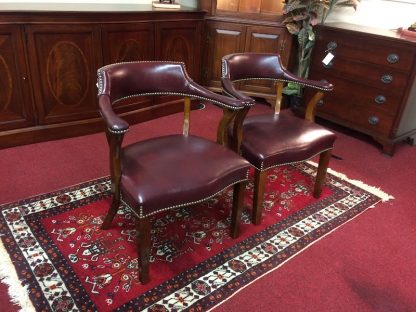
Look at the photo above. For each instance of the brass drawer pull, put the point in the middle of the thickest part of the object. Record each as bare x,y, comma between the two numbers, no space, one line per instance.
392,58
386,79
380,99
373,120
331,46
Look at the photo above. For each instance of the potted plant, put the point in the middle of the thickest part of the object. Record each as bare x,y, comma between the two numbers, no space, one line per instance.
300,18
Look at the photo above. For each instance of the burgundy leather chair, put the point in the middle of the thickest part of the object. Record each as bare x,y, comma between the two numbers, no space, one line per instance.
276,139
166,172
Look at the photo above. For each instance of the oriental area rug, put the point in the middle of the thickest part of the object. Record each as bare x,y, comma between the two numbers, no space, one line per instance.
55,257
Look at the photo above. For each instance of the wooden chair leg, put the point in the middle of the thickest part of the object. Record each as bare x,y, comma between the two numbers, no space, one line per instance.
238,198
259,184
143,247
112,211
321,173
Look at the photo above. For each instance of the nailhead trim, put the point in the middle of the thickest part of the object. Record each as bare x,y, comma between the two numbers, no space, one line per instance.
100,71
245,104
285,80
100,85
180,94
224,68
100,81
141,215
117,131
292,162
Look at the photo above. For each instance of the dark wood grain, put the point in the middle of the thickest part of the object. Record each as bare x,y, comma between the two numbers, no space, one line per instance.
361,100
57,98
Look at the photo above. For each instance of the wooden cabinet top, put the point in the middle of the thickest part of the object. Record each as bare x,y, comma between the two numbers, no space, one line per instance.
68,12
82,7
374,32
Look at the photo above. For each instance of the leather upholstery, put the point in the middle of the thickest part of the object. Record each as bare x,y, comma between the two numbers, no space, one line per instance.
165,172
270,140
246,66
274,139
118,81
175,170
168,171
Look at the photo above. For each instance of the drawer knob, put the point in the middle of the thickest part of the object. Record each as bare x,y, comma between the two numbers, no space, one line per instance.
331,46
392,58
373,120
320,103
380,99
386,79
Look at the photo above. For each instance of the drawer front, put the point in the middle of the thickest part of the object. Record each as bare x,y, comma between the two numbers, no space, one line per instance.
372,75
375,122
361,96
361,48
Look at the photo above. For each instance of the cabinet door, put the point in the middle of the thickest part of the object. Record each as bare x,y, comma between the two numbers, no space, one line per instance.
222,39
263,39
126,43
16,109
181,42
66,59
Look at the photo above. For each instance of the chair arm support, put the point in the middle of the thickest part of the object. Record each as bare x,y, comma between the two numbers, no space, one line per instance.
114,123
224,101
229,89
311,106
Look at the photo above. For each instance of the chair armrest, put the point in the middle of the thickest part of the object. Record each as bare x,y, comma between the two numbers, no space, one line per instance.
224,101
114,123
315,84
230,89
321,87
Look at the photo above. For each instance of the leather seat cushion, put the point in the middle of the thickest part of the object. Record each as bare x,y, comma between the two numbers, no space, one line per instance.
161,173
270,140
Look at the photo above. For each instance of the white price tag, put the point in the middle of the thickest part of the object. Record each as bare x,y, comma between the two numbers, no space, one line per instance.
328,58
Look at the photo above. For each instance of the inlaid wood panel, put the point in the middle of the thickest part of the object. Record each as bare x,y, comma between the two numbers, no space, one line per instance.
263,39
180,41
66,59
15,101
249,6
222,39
49,62
127,43
272,7
228,5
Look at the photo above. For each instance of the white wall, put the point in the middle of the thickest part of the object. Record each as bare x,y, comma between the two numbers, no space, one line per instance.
378,13
189,3
388,14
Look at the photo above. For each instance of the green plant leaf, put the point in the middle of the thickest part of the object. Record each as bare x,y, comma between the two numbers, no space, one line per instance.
292,28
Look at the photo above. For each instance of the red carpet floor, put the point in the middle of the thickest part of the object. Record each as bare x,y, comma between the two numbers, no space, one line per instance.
368,264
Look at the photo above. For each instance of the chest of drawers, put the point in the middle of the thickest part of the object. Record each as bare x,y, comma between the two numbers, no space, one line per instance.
373,72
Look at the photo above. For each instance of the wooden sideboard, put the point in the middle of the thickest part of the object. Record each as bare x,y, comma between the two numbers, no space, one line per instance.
373,72
49,59
243,26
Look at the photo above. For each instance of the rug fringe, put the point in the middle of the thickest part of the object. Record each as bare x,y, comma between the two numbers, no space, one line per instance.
291,257
371,189
17,292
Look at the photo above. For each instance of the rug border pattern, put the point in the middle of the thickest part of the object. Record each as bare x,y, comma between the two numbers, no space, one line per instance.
238,268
